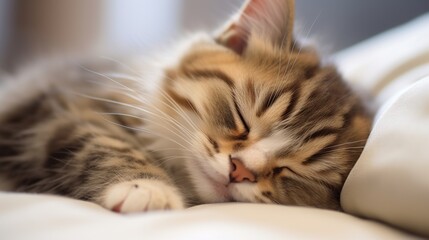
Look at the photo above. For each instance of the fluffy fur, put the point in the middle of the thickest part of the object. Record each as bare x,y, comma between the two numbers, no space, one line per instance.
247,115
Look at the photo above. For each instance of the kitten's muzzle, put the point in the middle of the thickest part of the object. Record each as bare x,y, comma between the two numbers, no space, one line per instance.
239,172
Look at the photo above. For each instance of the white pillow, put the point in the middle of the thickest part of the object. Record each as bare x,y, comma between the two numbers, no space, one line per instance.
390,182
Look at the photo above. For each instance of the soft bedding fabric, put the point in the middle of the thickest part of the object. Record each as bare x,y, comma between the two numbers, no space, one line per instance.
25,216
390,62
390,181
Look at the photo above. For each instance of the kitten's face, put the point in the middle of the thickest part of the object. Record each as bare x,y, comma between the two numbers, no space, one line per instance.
260,120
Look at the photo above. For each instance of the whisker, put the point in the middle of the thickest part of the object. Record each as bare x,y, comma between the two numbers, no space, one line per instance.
153,122
123,65
348,143
175,107
143,130
147,131
122,104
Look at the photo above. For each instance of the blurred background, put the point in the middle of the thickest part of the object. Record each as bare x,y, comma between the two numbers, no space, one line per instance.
33,28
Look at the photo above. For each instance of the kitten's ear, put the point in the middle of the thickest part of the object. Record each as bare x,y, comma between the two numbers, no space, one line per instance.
270,19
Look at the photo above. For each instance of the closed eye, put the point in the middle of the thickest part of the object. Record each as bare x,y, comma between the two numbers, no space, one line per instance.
278,170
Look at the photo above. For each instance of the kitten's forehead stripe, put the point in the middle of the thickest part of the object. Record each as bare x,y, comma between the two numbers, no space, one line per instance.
243,135
269,100
250,87
184,102
209,73
239,137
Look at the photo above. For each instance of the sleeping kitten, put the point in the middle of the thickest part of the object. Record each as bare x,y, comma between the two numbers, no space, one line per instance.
246,115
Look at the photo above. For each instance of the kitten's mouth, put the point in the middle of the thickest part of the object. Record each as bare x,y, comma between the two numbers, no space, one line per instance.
223,191
220,187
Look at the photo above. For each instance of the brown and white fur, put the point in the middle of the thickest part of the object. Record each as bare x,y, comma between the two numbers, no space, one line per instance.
247,114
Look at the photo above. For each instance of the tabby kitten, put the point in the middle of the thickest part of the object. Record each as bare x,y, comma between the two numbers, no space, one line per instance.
247,115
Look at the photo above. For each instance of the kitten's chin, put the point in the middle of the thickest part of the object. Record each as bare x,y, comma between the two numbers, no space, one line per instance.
209,188
213,192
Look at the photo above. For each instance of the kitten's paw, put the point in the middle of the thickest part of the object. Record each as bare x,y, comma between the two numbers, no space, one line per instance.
142,195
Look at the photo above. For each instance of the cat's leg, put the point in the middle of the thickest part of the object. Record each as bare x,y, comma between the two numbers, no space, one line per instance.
108,169
84,157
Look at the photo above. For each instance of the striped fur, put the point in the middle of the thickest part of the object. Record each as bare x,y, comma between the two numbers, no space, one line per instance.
70,137
251,92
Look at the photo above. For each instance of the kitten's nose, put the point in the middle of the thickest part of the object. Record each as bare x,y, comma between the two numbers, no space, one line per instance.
240,173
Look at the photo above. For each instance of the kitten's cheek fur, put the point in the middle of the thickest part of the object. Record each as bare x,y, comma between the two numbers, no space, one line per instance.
142,195
243,192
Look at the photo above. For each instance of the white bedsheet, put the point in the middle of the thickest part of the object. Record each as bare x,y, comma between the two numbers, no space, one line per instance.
25,216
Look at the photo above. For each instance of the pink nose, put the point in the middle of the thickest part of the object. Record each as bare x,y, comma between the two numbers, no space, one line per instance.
240,173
